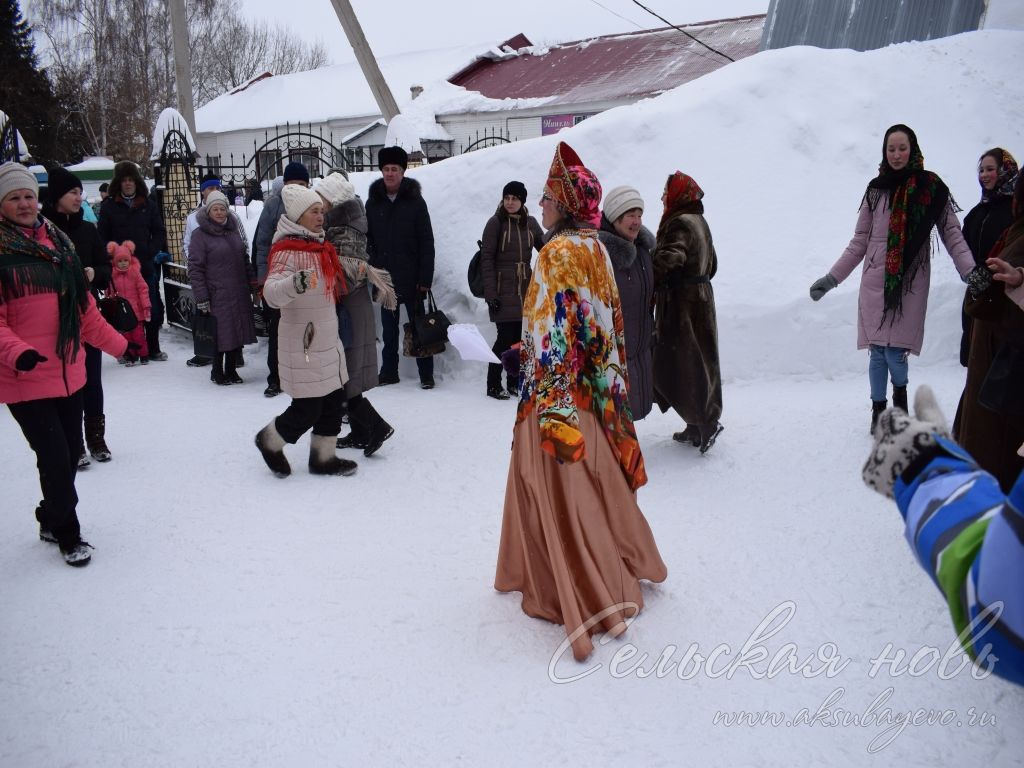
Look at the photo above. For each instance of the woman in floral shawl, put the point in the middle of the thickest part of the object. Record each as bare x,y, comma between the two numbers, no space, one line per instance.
573,540
899,209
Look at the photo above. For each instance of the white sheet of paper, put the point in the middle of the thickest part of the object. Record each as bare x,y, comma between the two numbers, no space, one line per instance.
466,338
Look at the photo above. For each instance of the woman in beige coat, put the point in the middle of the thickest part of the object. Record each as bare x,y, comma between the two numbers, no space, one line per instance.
305,280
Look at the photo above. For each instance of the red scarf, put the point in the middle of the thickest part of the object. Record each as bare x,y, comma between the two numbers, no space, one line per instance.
322,257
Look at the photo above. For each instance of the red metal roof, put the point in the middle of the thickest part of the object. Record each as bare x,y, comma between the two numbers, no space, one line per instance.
614,67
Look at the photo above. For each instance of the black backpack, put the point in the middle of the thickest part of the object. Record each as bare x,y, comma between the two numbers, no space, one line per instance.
475,273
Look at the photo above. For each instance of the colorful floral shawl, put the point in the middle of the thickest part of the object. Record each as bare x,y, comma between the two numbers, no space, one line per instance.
573,353
1006,176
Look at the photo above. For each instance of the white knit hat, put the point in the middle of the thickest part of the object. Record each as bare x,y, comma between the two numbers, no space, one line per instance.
297,200
620,200
335,189
215,197
16,176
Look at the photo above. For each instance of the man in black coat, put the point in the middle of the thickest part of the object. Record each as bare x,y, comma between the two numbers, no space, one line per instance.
129,213
400,240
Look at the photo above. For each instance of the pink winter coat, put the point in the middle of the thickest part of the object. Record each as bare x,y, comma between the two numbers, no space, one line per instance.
132,286
869,245
30,322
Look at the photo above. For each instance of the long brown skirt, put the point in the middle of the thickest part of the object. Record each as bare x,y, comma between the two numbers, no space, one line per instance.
573,539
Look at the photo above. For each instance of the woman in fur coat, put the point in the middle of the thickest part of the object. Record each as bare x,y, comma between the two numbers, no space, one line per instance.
305,280
687,374
507,245
992,415
629,244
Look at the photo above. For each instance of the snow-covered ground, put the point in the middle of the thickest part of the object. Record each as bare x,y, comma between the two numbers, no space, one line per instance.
233,619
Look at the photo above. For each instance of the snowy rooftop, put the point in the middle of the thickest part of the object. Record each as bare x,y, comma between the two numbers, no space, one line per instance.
615,67
340,91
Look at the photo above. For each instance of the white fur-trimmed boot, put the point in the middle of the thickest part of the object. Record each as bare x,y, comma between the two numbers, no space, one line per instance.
324,461
271,446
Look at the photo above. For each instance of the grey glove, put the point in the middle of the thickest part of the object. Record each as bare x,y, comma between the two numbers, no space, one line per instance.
899,439
823,285
203,307
302,280
978,280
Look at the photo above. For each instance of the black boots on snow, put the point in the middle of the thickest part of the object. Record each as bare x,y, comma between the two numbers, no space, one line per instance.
899,398
702,437
95,429
369,430
878,408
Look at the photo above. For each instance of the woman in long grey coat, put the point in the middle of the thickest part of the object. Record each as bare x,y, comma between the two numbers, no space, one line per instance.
687,375
305,280
629,244
510,237
345,223
222,280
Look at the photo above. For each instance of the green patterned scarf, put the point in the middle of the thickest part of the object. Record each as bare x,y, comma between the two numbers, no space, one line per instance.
27,267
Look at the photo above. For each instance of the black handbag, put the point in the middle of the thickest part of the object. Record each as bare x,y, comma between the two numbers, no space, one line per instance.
204,335
411,349
475,273
430,328
117,311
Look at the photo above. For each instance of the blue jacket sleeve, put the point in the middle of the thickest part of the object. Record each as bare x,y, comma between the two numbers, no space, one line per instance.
969,537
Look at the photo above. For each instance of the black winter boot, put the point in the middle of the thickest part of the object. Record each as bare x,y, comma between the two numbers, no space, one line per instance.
95,429
708,435
877,408
356,438
689,435
899,398
323,460
230,363
374,427
271,447
217,374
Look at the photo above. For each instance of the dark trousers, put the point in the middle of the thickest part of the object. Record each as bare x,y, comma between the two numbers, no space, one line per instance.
157,313
92,392
53,428
323,414
508,334
389,321
272,318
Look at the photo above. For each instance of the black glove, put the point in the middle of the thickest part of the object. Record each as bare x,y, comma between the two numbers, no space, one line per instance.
28,360
978,280
494,304
823,285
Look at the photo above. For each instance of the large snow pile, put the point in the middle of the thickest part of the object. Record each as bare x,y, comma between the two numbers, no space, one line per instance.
233,619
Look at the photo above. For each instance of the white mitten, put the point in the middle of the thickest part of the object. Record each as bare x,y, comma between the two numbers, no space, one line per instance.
899,439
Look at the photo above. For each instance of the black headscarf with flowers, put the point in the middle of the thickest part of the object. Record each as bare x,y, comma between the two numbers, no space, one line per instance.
916,198
1006,175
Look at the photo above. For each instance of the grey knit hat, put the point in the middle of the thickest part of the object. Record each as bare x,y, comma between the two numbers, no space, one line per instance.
214,198
16,176
620,200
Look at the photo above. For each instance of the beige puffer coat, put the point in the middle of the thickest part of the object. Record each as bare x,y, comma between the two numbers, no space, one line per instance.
310,358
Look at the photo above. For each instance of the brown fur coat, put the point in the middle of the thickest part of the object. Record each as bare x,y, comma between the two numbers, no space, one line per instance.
687,375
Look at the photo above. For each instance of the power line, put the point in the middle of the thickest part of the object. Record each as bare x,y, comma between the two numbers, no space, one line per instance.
640,27
662,18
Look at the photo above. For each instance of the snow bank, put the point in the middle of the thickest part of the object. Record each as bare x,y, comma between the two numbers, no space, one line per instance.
783,144
169,120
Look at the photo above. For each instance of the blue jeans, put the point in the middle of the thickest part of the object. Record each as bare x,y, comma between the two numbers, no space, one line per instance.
884,362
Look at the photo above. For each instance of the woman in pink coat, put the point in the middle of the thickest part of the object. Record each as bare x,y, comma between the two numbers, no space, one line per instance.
900,207
46,313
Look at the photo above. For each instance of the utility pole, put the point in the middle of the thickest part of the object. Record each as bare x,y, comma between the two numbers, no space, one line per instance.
182,63
354,33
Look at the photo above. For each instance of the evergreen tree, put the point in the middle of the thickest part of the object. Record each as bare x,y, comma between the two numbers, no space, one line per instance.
26,94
